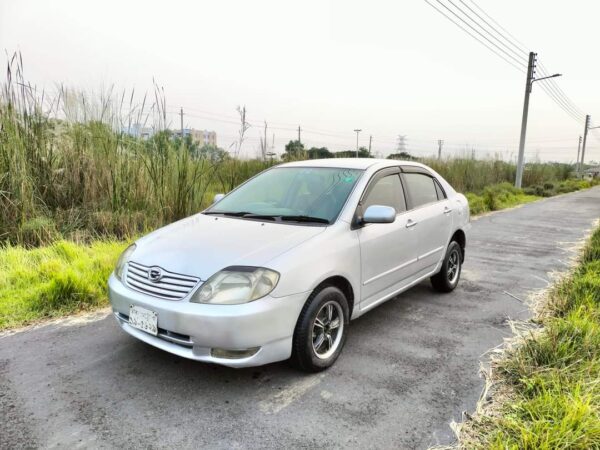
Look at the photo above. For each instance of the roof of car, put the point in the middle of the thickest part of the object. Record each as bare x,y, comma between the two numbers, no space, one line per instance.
349,163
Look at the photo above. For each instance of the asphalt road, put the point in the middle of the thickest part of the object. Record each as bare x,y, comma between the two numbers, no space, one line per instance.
409,367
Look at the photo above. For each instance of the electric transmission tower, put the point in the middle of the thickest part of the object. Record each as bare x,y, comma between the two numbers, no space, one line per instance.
401,144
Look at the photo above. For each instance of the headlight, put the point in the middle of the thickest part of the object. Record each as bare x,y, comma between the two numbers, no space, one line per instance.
235,285
123,259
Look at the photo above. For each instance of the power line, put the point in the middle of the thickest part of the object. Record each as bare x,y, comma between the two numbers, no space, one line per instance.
477,31
515,55
519,68
550,87
517,47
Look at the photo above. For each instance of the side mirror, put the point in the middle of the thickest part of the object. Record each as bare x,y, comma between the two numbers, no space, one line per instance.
218,198
379,214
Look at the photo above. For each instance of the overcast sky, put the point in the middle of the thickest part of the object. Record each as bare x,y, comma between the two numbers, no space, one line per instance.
387,67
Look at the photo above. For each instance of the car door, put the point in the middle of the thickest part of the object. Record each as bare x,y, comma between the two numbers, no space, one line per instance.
430,213
387,250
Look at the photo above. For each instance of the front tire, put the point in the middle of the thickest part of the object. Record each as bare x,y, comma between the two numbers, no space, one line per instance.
321,330
447,278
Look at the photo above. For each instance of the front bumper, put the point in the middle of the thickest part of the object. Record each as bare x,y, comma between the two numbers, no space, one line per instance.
191,330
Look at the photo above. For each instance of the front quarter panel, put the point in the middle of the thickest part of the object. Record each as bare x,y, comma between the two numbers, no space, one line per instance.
335,252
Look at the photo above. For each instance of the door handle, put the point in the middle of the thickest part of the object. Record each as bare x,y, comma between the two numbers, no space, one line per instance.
447,210
410,223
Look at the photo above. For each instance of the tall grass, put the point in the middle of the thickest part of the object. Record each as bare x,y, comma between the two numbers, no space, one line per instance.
467,174
67,169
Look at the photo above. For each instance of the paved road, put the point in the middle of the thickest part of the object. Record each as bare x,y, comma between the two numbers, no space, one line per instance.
409,366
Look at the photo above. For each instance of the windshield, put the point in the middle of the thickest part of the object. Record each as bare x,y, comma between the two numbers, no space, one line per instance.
302,194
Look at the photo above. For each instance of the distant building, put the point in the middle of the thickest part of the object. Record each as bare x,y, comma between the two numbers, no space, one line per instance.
592,172
200,137
137,130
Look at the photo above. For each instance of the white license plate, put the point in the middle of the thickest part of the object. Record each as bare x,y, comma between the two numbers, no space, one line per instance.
143,319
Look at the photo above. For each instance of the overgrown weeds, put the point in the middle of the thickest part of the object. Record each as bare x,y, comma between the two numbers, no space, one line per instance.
552,373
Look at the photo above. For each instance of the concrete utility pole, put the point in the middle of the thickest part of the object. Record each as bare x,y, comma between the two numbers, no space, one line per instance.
440,145
588,120
181,114
578,166
370,141
299,140
585,132
528,87
357,131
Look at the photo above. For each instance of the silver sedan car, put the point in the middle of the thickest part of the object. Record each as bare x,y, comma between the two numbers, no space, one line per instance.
277,268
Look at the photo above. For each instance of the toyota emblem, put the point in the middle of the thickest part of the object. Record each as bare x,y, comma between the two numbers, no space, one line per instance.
155,274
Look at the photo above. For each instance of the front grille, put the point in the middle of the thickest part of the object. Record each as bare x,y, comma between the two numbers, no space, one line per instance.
170,286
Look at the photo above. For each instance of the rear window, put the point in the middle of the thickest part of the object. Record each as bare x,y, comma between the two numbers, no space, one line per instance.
421,189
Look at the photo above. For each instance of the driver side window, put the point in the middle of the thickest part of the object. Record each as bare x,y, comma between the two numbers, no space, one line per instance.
387,191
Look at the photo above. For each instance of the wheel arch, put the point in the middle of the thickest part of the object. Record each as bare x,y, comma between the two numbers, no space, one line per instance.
344,285
460,237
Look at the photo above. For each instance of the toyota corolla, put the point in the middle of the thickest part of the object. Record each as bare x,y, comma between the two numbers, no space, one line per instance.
278,268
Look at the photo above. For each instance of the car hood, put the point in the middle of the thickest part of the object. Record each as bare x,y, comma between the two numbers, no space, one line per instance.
201,245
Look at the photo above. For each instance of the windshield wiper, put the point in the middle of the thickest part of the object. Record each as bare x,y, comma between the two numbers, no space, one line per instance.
304,219
280,218
245,214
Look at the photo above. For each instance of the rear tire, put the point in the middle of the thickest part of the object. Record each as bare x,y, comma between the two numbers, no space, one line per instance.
321,330
447,278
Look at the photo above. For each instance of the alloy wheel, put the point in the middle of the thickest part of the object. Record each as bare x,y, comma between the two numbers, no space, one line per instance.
327,330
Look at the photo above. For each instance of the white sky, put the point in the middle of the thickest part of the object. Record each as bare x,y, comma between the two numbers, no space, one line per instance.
388,67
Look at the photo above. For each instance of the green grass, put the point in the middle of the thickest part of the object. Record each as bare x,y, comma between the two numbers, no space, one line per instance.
52,281
554,374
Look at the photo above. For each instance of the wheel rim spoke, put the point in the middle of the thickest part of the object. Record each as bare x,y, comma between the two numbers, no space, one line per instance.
334,324
319,341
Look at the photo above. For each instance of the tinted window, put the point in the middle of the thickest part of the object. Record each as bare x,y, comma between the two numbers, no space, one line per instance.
421,189
386,191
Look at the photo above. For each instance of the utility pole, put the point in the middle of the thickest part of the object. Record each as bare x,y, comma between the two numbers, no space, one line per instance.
264,147
299,140
370,141
357,131
440,145
181,114
585,132
578,166
528,87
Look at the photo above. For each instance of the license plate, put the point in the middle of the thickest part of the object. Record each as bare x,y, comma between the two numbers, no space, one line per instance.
143,319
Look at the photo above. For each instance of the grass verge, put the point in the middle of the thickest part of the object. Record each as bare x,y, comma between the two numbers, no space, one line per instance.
52,281
547,383
505,195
